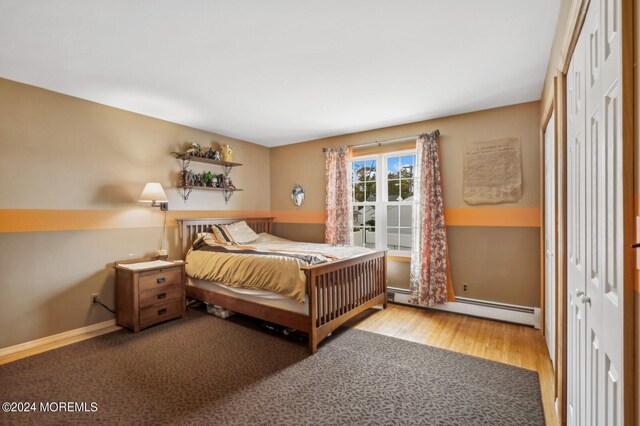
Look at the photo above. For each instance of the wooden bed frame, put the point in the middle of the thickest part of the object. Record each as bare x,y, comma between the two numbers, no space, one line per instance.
337,291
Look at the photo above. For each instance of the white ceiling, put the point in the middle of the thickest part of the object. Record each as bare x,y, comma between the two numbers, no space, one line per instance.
282,71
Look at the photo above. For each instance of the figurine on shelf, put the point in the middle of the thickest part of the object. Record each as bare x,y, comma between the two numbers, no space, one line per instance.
227,153
216,155
188,178
214,181
207,177
195,150
222,181
230,185
197,179
209,154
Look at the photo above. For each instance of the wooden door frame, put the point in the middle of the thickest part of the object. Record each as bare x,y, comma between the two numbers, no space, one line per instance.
560,91
546,117
551,111
544,123
628,33
629,138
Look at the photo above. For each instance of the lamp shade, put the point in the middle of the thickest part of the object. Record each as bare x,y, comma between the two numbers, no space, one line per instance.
153,192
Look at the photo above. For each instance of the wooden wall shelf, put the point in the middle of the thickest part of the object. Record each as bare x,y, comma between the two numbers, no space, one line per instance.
210,188
226,165
208,161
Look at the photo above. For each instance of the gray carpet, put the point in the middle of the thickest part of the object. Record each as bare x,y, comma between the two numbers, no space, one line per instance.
204,370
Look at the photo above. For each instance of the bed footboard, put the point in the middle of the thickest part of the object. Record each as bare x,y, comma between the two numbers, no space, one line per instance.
340,290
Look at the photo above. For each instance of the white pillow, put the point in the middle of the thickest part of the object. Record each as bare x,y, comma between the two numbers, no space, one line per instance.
239,232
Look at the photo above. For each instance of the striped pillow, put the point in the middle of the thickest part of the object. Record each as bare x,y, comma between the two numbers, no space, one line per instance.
233,233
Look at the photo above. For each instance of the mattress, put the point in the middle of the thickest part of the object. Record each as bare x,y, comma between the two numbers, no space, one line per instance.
261,297
269,263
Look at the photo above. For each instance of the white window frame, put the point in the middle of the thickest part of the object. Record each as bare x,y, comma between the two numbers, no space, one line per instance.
382,196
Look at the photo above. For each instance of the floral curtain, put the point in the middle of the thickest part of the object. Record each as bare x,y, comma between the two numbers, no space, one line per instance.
339,225
429,278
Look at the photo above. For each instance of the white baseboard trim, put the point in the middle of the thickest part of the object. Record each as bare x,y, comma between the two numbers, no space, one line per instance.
477,308
56,338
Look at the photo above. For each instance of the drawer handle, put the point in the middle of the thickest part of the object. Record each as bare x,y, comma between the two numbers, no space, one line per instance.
162,311
162,295
161,280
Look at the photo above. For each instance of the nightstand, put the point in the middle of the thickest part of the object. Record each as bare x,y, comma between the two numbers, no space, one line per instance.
148,291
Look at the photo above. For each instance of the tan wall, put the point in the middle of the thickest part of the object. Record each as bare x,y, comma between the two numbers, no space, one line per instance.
60,152
303,163
71,173
499,263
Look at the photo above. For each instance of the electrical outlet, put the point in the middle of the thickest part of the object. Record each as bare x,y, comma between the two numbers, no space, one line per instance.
94,297
465,286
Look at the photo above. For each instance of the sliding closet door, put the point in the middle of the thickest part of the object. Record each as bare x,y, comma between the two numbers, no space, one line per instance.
576,230
595,222
596,210
550,237
605,323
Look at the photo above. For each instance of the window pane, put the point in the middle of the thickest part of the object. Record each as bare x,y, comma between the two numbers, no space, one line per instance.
370,216
393,214
369,237
392,238
393,167
408,163
371,170
358,236
406,237
358,192
393,188
406,189
405,215
370,195
357,171
358,215
364,236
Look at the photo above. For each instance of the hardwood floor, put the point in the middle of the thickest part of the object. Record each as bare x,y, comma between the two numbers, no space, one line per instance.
497,341
57,344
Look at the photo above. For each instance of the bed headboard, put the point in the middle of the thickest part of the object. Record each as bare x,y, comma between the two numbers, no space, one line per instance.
188,229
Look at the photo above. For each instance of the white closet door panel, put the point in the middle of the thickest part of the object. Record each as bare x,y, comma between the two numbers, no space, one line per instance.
550,238
595,216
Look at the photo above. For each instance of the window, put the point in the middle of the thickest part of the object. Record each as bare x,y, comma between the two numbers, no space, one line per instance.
382,201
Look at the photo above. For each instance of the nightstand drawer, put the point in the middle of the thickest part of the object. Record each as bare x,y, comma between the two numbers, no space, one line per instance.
161,277
160,294
161,312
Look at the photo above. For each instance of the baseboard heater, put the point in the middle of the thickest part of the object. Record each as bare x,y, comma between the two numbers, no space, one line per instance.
477,308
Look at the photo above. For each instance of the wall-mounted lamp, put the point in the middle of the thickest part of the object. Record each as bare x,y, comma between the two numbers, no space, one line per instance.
154,193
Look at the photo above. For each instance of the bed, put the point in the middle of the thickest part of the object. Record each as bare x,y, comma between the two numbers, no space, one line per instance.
335,291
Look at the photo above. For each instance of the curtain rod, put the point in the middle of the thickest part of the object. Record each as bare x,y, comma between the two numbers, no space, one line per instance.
379,143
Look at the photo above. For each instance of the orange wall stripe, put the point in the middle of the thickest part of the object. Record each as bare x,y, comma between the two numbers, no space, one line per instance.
76,220
146,217
525,217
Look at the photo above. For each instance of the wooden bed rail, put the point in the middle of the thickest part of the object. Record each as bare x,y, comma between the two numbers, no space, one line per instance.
342,289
